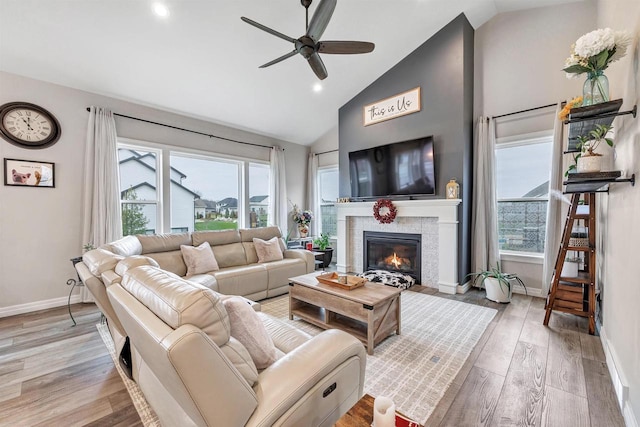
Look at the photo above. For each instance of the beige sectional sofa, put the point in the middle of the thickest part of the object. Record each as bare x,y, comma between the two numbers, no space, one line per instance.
196,367
240,272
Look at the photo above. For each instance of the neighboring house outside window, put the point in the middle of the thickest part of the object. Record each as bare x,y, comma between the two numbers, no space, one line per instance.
523,168
328,194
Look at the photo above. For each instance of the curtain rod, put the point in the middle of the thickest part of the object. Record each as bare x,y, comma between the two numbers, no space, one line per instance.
525,111
189,130
326,152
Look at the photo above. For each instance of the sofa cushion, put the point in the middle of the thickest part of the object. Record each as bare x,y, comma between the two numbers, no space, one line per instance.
207,280
178,302
268,250
100,260
133,262
171,261
127,246
247,328
230,255
199,259
163,242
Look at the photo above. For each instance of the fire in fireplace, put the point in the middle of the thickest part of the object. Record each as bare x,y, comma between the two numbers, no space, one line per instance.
393,252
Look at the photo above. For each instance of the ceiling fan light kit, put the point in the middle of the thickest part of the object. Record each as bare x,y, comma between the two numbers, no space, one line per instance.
309,45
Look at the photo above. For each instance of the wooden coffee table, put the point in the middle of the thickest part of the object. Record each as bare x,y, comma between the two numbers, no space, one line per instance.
370,313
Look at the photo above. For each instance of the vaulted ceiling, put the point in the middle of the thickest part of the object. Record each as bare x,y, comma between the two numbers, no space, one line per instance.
202,60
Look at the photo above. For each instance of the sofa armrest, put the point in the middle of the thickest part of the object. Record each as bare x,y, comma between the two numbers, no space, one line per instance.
283,384
110,277
304,255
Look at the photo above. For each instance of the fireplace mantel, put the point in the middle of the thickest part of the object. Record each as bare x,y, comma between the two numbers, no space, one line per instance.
445,211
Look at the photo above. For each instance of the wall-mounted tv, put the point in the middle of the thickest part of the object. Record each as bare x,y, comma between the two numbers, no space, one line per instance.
401,168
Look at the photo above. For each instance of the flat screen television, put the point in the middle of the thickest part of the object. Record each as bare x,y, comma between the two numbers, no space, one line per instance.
401,168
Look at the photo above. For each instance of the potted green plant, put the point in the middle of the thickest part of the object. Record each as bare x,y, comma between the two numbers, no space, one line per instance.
588,160
497,283
322,244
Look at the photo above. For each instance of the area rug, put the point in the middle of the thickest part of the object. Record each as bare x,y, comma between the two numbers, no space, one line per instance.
416,368
147,415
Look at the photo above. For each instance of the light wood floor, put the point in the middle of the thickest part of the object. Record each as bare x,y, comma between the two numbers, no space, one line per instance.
520,374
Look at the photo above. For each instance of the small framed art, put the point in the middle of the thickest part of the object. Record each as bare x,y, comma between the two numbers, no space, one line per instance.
28,173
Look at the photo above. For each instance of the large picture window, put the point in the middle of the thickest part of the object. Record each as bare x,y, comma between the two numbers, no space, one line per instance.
523,168
205,192
328,194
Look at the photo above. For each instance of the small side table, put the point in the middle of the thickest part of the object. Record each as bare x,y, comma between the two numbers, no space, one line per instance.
73,283
319,262
361,415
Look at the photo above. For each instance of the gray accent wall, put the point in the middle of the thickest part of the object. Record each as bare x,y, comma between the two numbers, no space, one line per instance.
443,68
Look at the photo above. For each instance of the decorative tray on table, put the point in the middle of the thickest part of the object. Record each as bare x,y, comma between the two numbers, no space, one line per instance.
331,279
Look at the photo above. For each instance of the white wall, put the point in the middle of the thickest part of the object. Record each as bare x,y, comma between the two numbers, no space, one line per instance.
518,61
40,229
619,212
327,142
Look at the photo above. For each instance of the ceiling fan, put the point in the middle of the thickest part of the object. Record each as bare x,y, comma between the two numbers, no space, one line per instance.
309,45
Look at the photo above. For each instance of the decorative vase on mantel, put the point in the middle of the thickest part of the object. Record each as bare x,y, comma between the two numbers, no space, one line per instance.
595,89
303,229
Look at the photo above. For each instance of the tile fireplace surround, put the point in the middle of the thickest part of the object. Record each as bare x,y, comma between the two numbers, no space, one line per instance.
437,222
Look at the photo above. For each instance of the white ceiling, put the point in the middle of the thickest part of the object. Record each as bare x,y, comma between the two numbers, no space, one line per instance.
202,60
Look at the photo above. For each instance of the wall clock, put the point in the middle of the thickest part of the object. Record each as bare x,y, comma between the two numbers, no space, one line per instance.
28,125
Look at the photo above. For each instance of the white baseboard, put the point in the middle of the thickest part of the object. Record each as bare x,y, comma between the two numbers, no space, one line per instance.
620,384
532,292
37,305
461,289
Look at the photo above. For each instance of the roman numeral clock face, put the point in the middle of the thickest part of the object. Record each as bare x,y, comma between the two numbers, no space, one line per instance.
28,125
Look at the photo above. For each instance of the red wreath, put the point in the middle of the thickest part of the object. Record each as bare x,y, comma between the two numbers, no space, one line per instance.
387,218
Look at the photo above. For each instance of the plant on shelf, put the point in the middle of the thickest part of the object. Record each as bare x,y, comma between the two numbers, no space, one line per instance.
587,160
322,244
88,247
497,283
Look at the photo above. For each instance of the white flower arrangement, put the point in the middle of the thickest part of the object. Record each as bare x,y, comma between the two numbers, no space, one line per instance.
594,51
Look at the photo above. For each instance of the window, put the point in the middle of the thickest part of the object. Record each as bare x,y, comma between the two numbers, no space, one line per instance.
328,194
205,192
523,168
258,195
139,194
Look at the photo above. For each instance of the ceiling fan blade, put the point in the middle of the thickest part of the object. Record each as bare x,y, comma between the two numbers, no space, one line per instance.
282,58
345,47
317,65
268,30
321,18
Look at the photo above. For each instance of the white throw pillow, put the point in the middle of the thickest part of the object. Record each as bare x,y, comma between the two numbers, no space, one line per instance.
268,250
199,259
247,328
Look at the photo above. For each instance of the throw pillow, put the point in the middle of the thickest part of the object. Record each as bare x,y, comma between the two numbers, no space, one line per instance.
247,328
268,250
199,259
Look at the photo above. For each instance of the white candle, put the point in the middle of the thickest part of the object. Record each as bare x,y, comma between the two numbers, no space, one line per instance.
384,412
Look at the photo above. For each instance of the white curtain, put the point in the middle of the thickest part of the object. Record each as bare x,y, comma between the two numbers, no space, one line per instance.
312,194
102,221
278,206
555,222
485,252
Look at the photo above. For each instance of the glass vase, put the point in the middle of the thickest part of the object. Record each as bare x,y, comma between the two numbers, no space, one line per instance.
595,89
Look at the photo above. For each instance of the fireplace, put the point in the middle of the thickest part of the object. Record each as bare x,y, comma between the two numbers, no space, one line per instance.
393,252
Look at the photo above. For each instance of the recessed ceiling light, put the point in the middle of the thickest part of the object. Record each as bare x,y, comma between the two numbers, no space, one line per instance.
160,10
317,87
